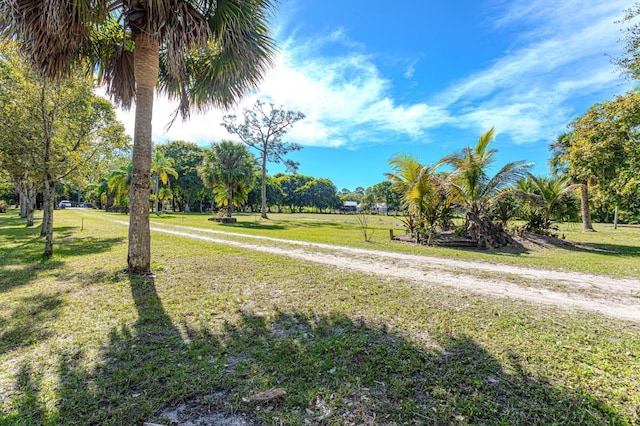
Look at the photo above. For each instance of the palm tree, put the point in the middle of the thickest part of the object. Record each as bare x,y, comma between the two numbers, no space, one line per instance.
420,187
199,52
229,169
470,183
119,183
161,168
546,194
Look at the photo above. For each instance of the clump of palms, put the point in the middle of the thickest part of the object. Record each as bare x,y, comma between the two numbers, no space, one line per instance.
422,192
229,169
470,183
545,197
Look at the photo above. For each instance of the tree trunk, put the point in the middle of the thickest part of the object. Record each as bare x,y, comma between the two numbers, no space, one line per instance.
615,218
263,207
47,215
584,202
23,202
28,202
146,53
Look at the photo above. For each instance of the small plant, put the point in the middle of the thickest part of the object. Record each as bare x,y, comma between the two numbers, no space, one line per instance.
3,206
363,221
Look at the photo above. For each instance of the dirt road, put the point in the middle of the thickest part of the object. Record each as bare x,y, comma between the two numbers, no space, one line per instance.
618,298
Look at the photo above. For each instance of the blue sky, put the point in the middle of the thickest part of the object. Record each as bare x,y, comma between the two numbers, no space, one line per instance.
375,79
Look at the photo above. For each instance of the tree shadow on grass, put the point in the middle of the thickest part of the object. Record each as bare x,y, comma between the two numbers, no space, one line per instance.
333,368
23,262
26,325
253,225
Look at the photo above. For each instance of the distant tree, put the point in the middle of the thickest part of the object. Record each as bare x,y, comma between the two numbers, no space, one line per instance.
319,193
560,167
290,185
187,187
263,129
119,183
275,195
229,170
383,192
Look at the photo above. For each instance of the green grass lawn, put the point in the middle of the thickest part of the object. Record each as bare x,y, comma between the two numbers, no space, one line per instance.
617,254
83,343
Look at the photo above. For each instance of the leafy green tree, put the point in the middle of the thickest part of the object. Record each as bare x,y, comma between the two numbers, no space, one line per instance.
60,127
275,195
629,63
263,130
383,192
319,193
603,148
229,170
470,182
187,188
198,52
161,169
561,167
290,185
119,183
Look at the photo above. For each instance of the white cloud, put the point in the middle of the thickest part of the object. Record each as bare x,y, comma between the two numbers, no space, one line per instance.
527,94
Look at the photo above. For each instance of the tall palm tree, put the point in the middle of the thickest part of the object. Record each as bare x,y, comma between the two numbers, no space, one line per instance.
161,168
229,169
470,182
199,52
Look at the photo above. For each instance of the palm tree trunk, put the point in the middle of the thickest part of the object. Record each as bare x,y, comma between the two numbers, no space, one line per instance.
146,53
587,226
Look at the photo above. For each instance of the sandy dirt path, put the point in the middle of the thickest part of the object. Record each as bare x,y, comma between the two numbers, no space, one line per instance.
618,298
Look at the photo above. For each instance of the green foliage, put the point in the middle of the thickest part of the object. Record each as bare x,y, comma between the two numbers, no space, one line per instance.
188,188
470,183
229,170
3,206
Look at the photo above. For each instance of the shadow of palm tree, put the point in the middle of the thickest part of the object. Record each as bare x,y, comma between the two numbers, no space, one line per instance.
334,369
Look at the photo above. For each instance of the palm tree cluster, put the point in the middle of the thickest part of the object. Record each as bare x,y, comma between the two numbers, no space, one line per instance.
431,195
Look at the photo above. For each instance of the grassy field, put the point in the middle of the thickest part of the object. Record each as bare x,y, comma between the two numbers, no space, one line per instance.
616,252
83,343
